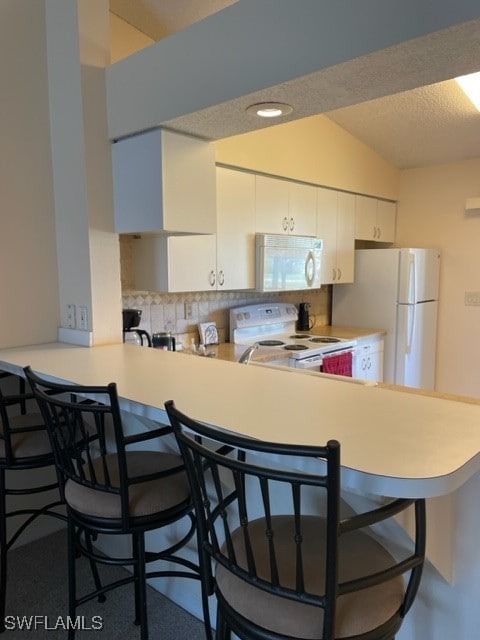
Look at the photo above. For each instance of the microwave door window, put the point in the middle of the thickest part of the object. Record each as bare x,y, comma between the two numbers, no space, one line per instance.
276,270
288,270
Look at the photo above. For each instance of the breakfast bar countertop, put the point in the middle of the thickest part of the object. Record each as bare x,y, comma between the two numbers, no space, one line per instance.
394,443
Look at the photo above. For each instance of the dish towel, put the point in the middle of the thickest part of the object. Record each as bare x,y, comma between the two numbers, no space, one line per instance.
339,364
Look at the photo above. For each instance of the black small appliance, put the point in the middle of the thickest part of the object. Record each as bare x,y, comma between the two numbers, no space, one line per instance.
303,321
131,320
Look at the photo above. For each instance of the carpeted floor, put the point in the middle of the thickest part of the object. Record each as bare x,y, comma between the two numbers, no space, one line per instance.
37,595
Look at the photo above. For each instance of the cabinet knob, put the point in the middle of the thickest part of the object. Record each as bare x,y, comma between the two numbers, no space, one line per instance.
221,278
212,278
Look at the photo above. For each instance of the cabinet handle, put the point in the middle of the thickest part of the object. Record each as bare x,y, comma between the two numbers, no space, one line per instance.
369,363
339,274
374,232
364,364
292,224
212,278
221,278
334,274
379,233
285,223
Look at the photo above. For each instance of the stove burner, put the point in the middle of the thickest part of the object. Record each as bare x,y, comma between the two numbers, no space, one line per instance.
325,339
295,347
270,343
300,336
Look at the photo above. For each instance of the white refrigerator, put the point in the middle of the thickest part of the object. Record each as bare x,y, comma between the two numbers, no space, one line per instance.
395,290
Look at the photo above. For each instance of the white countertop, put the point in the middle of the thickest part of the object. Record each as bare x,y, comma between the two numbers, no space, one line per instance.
392,443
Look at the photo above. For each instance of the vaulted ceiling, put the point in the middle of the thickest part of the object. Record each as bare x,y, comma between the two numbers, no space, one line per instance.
432,124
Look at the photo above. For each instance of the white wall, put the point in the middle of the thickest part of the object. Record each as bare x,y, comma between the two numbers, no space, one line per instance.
88,249
316,150
431,214
28,260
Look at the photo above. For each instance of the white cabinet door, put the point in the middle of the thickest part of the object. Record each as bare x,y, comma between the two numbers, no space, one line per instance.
175,263
365,218
336,225
164,181
345,238
283,206
327,230
374,219
302,208
368,360
235,229
271,205
386,219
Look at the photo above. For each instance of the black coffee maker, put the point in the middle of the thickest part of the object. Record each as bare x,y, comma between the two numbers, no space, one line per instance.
303,320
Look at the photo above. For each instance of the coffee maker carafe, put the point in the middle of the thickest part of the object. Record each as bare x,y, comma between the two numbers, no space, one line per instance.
303,321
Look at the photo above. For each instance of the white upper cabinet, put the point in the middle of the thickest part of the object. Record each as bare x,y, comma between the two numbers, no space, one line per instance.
164,182
283,206
374,219
235,229
302,201
174,263
336,225
386,219
224,261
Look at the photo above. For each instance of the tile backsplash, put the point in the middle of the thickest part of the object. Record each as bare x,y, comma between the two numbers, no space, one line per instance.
167,311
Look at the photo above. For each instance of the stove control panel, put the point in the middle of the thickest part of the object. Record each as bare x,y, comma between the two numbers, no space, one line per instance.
258,315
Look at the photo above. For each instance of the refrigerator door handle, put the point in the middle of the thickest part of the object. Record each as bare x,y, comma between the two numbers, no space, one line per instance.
412,279
410,328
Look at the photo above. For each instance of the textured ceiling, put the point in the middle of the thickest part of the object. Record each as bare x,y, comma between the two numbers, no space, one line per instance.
421,117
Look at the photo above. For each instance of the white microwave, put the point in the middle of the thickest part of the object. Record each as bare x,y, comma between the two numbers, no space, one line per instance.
287,263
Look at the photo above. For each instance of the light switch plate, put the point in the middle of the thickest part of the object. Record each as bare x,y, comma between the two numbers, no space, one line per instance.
472,298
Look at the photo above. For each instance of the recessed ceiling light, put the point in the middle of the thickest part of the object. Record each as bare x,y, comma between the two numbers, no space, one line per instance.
471,87
270,109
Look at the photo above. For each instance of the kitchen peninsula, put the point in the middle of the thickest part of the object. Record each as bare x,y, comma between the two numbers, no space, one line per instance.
394,443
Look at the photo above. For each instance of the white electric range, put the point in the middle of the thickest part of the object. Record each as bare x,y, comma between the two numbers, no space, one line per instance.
273,326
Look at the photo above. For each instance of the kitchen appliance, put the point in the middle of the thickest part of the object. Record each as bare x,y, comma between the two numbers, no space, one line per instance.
287,263
273,326
163,340
396,290
131,319
304,323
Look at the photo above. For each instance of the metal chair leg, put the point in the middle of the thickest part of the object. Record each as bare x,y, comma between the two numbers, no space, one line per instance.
140,583
72,598
222,631
93,567
3,550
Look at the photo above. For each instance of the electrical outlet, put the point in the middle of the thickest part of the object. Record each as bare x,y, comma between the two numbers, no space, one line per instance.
188,310
472,298
82,318
71,316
